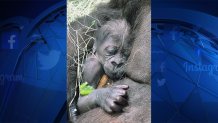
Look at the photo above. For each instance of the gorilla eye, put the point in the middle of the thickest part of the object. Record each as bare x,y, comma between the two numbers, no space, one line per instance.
111,51
126,53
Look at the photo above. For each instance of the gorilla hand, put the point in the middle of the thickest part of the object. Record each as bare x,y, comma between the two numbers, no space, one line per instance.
112,99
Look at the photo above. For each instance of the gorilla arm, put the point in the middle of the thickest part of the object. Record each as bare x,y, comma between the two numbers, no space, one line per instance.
92,71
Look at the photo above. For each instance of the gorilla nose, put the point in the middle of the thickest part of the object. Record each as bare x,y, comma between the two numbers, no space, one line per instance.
117,65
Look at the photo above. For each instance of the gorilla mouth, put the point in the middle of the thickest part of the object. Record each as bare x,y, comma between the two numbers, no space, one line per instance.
118,76
115,75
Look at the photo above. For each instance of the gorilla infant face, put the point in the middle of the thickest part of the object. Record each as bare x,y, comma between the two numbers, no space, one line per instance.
113,48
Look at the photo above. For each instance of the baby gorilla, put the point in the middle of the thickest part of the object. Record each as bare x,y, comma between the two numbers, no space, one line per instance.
111,51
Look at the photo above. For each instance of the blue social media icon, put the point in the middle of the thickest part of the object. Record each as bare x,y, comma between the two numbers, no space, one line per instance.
49,60
9,40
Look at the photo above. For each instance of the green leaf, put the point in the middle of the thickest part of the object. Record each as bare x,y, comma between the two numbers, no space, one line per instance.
85,89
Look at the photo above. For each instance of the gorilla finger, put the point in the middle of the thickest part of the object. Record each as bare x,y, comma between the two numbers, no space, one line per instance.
125,87
107,109
114,107
121,101
120,92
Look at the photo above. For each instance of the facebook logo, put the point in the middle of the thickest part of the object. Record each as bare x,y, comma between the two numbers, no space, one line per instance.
9,40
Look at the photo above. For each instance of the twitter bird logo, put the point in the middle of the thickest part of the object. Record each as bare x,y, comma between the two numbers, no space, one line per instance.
161,82
49,60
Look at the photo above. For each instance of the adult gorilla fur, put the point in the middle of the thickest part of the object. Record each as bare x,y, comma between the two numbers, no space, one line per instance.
137,13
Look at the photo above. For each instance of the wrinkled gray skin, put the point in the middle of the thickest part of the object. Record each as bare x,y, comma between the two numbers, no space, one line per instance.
111,53
112,47
137,12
